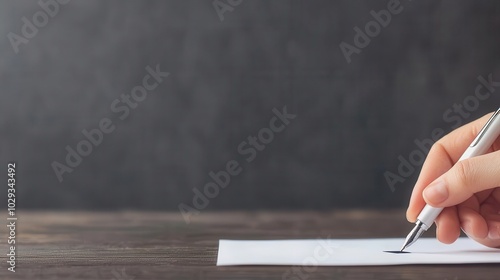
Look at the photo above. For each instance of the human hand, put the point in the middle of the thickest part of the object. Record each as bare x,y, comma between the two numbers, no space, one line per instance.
469,190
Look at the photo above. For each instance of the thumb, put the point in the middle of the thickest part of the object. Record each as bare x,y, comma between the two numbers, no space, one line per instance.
464,179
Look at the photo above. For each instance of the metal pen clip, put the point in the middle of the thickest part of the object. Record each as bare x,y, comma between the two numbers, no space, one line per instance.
485,128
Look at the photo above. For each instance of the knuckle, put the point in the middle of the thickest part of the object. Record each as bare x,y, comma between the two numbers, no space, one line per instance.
437,147
465,173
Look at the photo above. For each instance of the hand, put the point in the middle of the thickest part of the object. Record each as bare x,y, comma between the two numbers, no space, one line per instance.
469,190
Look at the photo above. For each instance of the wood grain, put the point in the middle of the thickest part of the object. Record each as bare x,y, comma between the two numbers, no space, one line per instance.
158,245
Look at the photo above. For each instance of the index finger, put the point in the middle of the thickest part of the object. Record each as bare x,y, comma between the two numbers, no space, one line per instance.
442,156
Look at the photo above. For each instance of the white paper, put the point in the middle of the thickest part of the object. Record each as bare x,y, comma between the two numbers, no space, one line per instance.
348,252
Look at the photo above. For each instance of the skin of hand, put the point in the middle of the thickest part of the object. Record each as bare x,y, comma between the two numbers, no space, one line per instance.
469,190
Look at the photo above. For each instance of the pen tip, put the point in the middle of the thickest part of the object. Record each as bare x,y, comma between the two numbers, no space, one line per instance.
412,237
403,248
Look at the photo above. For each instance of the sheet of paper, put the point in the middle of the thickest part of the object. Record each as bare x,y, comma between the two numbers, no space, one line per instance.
348,252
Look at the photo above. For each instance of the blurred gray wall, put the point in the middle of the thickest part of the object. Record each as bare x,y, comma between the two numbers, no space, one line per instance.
353,119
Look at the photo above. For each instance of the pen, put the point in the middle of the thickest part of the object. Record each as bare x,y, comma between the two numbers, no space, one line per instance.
483,141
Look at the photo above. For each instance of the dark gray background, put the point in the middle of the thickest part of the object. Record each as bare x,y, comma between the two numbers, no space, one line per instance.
353,120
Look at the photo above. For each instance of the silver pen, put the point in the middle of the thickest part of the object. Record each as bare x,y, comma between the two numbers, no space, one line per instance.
483,141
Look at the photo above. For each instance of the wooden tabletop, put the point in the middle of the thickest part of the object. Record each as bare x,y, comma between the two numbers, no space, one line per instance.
159,245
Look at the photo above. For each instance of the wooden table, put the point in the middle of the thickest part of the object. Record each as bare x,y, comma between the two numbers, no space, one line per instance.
145,245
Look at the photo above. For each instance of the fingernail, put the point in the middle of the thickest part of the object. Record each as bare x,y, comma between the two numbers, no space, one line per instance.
436,192
494,233
467,227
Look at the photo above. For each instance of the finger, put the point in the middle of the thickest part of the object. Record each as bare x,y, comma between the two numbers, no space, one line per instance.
436,164
490,210
496,196
492,216
494,230
463,180
472,223
443,154
448,225
493,243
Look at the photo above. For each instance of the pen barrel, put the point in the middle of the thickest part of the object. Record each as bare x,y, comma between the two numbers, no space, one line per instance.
485,138
428,215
